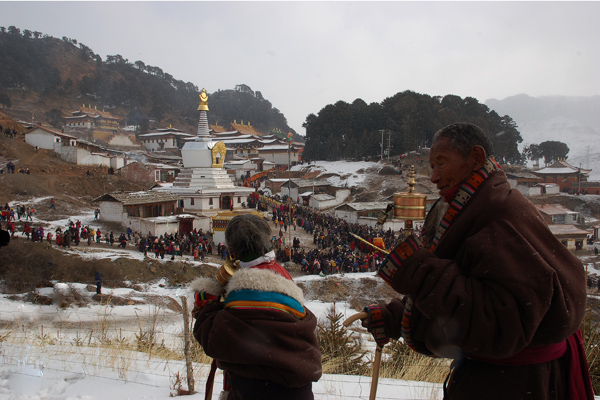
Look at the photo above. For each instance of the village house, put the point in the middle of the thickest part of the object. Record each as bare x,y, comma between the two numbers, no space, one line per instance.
138,172
74,150
164,140
367,213
318,194
558,214
144,212
525,182
240,168
48,139
571,236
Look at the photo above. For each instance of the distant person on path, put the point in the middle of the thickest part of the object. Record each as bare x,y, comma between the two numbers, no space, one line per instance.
487,284
52,206
98,279
262,335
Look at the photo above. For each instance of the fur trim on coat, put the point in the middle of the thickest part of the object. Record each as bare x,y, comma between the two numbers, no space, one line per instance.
208,285
266,281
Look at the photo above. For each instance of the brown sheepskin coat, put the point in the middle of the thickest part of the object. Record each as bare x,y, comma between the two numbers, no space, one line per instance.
263,345
498,282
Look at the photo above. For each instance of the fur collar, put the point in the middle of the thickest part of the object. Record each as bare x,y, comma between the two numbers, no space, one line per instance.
208,285
264,280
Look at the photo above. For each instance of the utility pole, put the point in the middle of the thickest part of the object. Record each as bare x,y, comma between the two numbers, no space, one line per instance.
389,148
579,179
382,131
313,194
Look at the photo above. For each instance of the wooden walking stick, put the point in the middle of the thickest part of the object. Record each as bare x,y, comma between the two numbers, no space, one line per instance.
376,362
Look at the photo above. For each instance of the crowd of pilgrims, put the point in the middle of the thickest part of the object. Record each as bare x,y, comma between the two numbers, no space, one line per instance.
195,243
337,251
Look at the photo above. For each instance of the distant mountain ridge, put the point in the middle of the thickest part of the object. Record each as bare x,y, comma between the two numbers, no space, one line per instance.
568,119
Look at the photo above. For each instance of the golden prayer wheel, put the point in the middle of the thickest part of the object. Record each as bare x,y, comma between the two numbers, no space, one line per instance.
410,205
227,270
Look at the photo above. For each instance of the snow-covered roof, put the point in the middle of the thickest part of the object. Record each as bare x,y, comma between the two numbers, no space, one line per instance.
549,170
565,229
554,209
323,197
236,140
301,183
143,197
51,131
227,133
167,133
370,205
236,162
562,168
273,147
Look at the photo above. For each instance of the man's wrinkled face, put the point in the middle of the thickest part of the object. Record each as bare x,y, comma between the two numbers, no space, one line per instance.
449,167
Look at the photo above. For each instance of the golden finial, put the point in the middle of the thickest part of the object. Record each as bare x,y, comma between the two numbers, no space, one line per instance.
203,106
411,180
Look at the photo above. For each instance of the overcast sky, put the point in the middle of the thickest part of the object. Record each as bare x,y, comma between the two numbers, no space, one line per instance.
305,55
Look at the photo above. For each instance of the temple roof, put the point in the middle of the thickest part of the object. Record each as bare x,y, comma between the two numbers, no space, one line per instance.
562,168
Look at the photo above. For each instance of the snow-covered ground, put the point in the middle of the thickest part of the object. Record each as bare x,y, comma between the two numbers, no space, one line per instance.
43,351
51,353
38,373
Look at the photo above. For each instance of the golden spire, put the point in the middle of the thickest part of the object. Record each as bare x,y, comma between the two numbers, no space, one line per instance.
411,180
203,106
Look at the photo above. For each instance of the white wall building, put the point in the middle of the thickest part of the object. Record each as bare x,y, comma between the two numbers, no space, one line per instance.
46,138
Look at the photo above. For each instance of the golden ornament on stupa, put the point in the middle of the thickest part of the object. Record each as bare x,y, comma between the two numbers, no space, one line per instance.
203,106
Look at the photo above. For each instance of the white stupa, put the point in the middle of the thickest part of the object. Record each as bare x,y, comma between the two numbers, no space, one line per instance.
203,183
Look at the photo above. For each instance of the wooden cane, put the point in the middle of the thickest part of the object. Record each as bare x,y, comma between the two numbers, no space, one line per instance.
376,362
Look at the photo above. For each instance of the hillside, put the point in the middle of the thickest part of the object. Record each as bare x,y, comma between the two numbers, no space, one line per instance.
42,78
52,177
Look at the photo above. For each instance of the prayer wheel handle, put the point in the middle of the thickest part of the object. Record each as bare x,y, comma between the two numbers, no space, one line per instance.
354,317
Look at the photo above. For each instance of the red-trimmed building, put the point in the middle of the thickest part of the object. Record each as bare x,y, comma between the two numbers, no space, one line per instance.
566,176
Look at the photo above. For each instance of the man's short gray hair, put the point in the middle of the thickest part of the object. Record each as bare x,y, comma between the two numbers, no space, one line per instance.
248,235
464,136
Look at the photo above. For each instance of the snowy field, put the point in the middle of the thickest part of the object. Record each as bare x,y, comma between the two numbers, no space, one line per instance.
51,353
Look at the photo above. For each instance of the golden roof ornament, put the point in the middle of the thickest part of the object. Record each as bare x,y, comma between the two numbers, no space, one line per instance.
203,106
